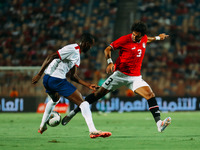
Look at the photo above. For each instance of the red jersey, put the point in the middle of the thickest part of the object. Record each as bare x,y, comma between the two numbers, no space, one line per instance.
131,54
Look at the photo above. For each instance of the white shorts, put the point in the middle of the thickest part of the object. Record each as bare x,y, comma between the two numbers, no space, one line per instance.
118,79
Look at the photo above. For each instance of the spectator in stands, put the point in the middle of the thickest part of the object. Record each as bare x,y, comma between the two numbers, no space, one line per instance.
14,92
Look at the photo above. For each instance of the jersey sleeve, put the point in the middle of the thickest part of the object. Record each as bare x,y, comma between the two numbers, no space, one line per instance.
145,38
118,43
78,63
66,53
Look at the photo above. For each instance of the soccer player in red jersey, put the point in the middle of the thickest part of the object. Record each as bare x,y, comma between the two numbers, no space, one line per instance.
127,71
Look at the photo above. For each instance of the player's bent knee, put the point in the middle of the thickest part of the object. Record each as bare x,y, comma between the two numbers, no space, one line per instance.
150,95
55,97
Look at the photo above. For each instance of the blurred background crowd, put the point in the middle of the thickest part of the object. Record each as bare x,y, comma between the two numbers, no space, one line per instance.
32,29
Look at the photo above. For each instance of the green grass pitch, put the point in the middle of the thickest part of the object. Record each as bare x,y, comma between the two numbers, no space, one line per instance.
130,131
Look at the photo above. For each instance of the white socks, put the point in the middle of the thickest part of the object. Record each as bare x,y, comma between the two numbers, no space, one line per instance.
49,107
85,110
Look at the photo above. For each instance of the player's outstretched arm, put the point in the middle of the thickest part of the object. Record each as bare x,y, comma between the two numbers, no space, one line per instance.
159,37
46,62
74,77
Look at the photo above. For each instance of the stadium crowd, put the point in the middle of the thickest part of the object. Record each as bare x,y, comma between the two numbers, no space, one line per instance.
31,29
172,67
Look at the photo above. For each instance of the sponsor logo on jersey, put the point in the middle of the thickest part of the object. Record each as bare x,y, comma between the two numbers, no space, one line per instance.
143,44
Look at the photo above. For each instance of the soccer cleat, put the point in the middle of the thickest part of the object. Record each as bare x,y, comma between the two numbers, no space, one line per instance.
41,130
164,124
67,118
100,134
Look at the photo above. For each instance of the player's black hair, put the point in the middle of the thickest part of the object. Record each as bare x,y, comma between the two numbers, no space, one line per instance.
87,37
139,27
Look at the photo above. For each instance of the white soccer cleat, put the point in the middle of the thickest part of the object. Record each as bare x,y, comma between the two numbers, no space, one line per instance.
163,124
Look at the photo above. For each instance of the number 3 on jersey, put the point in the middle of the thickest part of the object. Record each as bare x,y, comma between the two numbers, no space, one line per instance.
139,53
109,81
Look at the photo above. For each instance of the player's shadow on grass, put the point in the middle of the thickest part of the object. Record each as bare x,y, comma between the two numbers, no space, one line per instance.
124,136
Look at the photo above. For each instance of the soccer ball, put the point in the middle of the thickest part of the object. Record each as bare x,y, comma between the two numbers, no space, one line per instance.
54,119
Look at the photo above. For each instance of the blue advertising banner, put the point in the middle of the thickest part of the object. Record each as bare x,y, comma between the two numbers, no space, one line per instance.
115,104
131,104
26,104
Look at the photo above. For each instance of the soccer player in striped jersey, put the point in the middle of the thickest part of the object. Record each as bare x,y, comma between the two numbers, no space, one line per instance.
127,71
55,67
